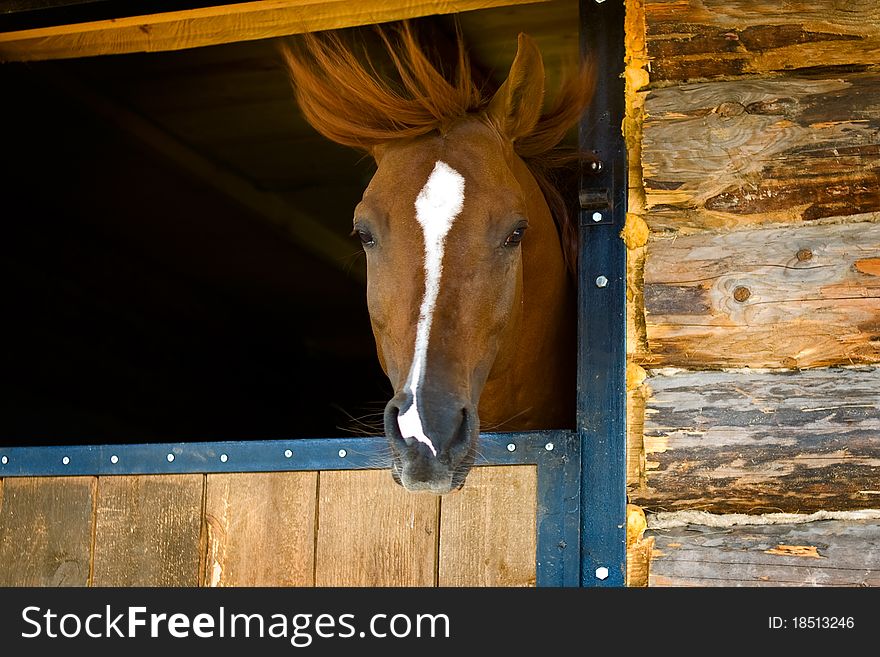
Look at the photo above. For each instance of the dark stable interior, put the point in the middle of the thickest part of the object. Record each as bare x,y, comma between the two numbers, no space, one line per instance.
139,305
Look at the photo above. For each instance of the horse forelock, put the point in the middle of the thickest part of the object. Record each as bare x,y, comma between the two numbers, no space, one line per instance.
345,96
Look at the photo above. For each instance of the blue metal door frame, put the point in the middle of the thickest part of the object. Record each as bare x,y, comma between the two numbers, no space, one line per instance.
581,509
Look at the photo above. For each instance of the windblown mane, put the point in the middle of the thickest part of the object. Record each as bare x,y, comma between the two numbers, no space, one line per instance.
347,99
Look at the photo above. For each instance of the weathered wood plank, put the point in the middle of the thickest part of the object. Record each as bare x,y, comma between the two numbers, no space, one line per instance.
372,532
46,531
707,39
751,442
488,529
148,530
793,149
207,26
823,553
782,297
260,529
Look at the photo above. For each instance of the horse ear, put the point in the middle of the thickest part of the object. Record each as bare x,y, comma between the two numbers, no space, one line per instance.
516,106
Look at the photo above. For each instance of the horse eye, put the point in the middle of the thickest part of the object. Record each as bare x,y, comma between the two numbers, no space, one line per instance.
515,237
365,236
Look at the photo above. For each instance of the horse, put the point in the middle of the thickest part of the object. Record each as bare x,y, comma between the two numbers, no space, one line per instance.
469,248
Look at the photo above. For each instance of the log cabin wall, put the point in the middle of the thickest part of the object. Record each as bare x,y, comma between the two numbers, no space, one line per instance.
754,278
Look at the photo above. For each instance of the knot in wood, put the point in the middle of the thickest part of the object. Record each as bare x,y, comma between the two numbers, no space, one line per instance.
730,108
804,254
741,293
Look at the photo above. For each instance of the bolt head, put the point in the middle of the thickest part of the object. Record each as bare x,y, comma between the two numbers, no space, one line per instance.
342,453
114,459
601,281
4,460
511,447
65,460
597,216
549,447
601,572
288,453
170,458
223,458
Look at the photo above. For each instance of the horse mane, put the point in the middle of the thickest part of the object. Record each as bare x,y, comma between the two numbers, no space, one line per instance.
345,98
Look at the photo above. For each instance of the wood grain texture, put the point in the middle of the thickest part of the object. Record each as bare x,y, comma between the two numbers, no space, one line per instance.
148,530
752,442
488,529
792,149
260,529
207,26
639,548
46,531
848,555
371,532
708,39
782,297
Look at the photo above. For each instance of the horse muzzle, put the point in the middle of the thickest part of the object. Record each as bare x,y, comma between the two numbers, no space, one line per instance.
437,455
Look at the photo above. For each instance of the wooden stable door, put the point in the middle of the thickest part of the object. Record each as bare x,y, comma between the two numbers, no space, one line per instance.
340,528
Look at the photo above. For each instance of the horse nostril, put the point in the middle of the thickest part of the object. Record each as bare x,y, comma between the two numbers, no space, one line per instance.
460,441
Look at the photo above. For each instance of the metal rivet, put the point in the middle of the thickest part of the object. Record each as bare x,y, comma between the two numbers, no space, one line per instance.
4,460
511,447
597,216
114,459
170,457
65,460
342,453
742,293
601,281
596,166
549,447
601,572
223,458
287,453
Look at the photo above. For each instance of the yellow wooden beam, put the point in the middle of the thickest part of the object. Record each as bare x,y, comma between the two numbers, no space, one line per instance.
206,26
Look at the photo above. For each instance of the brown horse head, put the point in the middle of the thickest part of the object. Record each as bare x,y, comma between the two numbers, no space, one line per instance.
467,286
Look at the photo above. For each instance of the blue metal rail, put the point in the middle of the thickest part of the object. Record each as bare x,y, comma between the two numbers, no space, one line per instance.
601,414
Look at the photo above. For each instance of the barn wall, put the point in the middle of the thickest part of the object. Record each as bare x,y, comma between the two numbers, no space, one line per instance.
754,277
756,150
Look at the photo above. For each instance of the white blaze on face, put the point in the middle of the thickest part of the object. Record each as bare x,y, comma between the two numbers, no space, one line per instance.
437,206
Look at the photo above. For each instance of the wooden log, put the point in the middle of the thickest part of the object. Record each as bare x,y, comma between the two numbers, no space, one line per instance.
782,297
260,529
148,530
46,531
792,149
747,441
371,532
488,529
708,39
639,548
205,26
823,553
